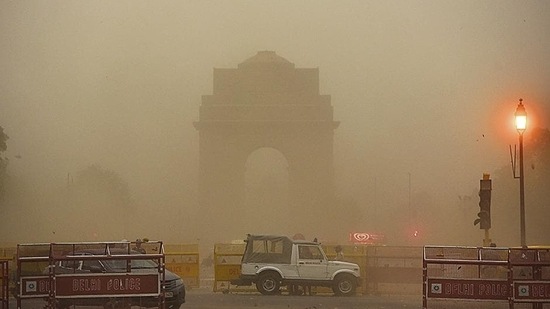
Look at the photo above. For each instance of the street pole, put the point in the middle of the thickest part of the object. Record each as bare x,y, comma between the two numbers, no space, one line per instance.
521,193
487,240
521,125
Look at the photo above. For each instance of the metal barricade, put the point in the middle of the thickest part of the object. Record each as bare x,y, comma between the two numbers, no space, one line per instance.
37,276
530,275
4,285
8,254
509,276
393,270
477,275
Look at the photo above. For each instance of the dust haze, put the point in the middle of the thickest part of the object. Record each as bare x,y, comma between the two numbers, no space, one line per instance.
424,91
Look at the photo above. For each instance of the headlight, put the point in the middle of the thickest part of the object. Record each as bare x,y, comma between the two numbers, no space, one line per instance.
179,282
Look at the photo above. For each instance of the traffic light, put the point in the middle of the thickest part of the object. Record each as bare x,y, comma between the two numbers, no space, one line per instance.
484,214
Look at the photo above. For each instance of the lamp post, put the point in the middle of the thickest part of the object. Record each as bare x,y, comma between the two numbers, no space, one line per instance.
521,125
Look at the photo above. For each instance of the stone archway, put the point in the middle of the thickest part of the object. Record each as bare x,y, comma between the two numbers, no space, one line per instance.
265,102
266,196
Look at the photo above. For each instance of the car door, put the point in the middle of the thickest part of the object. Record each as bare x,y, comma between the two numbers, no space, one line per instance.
312,264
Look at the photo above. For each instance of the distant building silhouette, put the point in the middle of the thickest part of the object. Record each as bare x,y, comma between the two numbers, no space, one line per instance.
265,102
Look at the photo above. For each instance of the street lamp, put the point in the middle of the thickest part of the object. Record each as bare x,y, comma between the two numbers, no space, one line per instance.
521,125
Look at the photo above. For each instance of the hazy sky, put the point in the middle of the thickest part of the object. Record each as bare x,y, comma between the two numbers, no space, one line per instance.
422,88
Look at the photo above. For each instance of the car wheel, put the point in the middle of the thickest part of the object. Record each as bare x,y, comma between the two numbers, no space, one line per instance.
344,285
268,283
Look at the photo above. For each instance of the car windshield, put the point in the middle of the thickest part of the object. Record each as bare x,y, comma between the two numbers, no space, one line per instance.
136,264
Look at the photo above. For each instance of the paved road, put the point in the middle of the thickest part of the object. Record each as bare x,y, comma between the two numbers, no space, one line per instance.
208,300
205,299
202,300
254,301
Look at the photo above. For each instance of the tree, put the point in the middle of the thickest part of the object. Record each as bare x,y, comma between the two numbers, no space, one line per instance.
100,203
104,185
3,160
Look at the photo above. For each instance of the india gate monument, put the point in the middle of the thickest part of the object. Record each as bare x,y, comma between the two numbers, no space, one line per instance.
266,102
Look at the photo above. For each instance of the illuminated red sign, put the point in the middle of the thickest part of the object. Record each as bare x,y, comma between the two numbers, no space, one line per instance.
366,238
468,289
532,290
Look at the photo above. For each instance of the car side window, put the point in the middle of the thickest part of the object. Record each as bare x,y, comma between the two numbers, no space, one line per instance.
316,253
303,252
309,253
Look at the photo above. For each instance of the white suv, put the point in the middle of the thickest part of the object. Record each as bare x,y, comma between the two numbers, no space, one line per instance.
273,261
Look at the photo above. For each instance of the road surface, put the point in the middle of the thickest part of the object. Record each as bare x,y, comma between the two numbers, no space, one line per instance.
206,299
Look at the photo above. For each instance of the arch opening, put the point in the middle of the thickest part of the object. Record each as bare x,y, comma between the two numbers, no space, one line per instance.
267,192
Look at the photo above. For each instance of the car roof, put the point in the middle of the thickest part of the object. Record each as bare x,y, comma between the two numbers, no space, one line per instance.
280,237
305,242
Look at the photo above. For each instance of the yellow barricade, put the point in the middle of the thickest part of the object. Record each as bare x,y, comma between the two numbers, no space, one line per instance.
7,254
227,266
183,260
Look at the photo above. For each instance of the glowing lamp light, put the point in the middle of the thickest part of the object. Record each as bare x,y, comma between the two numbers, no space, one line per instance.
521,117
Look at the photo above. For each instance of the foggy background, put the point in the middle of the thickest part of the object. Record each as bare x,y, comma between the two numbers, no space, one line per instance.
425,92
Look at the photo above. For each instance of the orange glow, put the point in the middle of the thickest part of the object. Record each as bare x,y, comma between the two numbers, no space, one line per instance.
503,121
